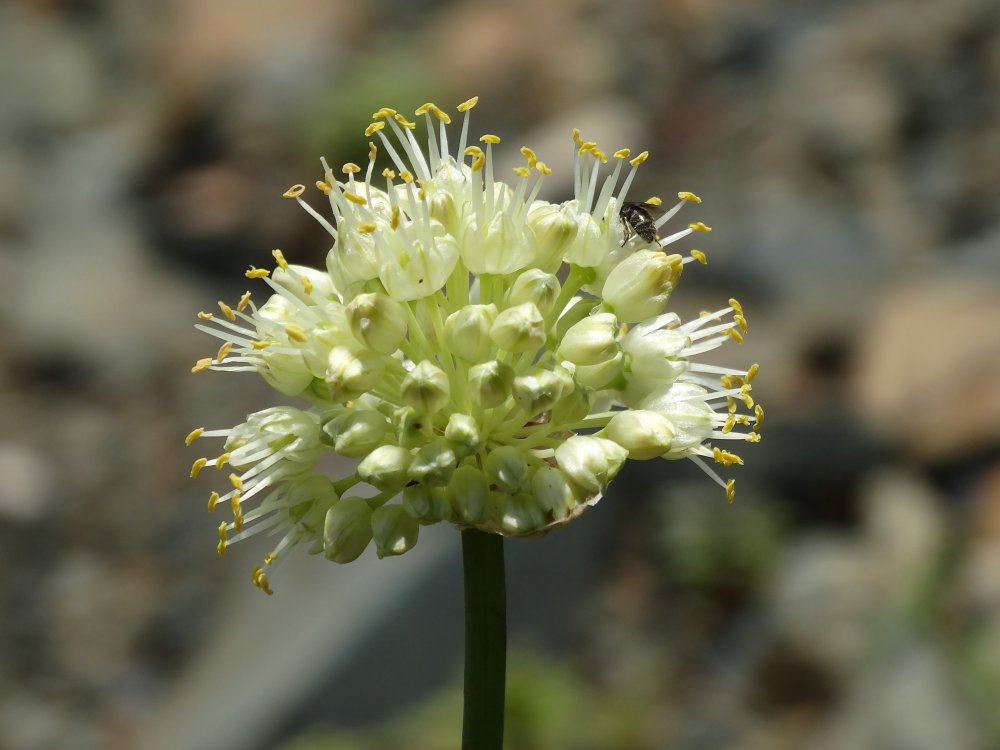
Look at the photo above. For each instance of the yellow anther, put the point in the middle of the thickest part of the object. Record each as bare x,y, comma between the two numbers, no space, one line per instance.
394,219
403,121
699,227
222,539
603,157
222,459
576,136
234,502
654,200
522,171
366,228
374,128
747,398
227,310
635,162
729,425
237,482
406,177
730,404
213,500
699,256
741,322
684,195
324,187
260,581
197,466
467,104
223,351
383,112
730,490
350,168
528,154
257,273
753,437
434,110
737,307
622,153
202,364
543,168
204,315
586,147
735,335
244,301
279,258
294,191
752,372
388,174
258,345
193,435
296,332
355,198
473,151
307,285
489,138
758,413
726,380
421,194
269,558
372,151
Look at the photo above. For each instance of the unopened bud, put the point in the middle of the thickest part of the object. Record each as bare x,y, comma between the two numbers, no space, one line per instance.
467,332
591,341
644,434
394,530
426,388
519,329
520,513
536,286
427,504
347,530
377,321
554,491
639,286
490,383
357,432
469,494
537,391
386,467
507,468
433,463
352,371
591,462
463,433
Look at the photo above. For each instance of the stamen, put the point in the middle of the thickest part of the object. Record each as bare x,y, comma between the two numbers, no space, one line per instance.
194,435
294,191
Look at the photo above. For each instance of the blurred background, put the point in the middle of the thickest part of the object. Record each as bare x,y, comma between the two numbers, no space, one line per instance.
848,155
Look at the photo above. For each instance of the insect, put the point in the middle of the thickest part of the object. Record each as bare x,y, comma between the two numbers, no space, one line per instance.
637,218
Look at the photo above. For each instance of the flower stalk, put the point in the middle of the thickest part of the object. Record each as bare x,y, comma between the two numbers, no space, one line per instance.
485,640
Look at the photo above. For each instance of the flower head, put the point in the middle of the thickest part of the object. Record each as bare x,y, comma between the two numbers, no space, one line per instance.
486,358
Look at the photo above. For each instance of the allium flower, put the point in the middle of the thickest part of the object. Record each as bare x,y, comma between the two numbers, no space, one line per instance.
488,359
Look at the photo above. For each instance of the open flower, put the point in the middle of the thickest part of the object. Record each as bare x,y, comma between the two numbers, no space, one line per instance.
486,358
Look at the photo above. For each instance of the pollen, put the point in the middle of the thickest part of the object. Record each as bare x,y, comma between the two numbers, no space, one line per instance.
684,195
388,174
193,435
383,113
741,322
227,310
406,177
636,161
294,191
622,153
735,335
244,301
434,110
698,226
197,466
213,500
259,578
221,548
204,315
758,413
236,481
257,273
223,351
279,258
654,200
543,168
530,155
467,104
221,460
490,139
202,364
752,371
522,171
700,256
374,128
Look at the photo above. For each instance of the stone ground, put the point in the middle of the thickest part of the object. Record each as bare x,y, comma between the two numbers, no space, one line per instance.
848,156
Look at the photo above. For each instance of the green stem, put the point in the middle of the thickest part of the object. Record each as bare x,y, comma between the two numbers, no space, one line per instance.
485,640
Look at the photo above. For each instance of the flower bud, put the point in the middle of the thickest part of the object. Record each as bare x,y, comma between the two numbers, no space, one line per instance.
554,491
394,530
573,406
386,468
412,428
357,432
467,332
507,468
536,286
427,504
426,388
519,329
537,390
433,463
354,258
602,375
308,498
352,371
347,530
554,229
644,434
490,383
462,432
639,286
520,513
576,310
690,416
591,462
469,494
591,341
377,321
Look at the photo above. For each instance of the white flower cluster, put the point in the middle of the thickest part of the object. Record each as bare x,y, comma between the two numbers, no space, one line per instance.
488,359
